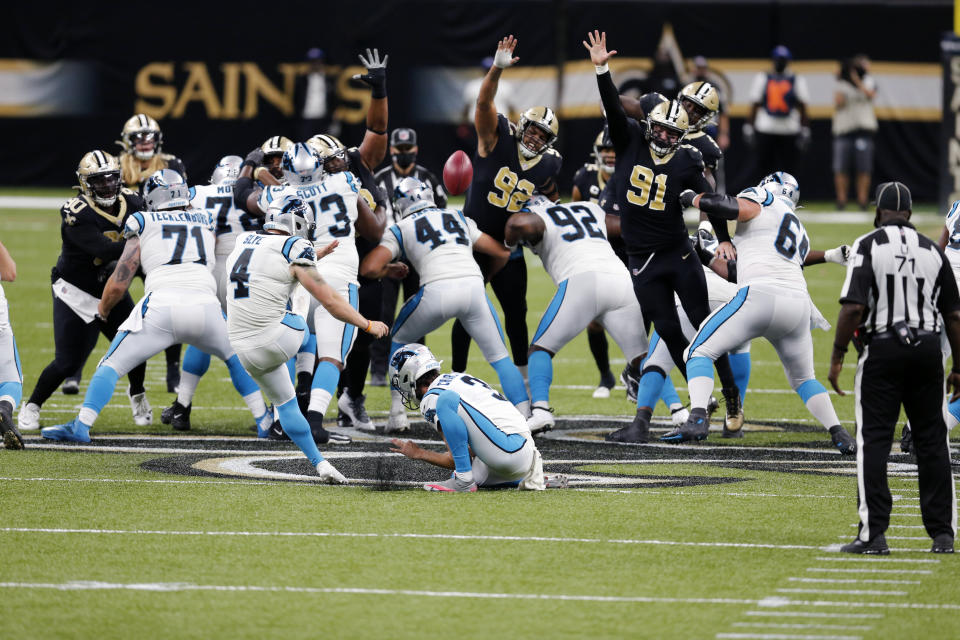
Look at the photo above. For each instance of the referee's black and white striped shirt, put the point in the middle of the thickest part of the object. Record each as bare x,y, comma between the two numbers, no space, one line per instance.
899,275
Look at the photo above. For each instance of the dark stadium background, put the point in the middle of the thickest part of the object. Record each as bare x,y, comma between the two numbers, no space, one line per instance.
112,42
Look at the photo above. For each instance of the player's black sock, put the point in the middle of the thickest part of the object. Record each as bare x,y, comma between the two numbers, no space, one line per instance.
460,343
600,349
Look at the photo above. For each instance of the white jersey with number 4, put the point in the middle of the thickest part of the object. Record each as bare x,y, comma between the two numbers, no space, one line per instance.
333,202
176,248
437,242
772,246
261,281
230,221
574,240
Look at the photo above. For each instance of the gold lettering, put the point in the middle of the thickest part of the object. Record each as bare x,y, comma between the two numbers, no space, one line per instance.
955,100
231,90
197,87
146,90
259,85
354,102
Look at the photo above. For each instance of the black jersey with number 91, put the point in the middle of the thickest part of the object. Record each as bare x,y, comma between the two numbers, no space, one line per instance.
504,181
648,191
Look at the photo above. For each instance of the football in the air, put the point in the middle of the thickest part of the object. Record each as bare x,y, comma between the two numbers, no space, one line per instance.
457,173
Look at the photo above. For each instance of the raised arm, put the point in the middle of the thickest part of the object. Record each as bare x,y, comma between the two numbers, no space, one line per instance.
373,148
120,279
616,117
485,118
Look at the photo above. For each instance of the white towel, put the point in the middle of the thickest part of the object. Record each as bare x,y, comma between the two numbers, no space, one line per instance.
533,481
80,302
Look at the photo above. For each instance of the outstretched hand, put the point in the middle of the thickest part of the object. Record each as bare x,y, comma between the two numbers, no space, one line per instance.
376,75
503,58
406,447
327,250
598,47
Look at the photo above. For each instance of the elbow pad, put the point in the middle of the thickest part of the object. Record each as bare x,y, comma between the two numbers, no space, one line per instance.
721,206
242,188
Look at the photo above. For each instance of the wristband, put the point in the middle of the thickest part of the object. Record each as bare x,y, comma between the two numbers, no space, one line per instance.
369,325
602,68
379,133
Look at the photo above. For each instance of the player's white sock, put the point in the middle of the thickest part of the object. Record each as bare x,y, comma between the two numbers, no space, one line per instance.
319,400
523,372
466,476
187,388
523,408
951,421
541,404
700,389
88,416
255,403
305,362
822,409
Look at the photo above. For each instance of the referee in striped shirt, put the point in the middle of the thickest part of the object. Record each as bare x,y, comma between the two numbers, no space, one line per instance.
901,292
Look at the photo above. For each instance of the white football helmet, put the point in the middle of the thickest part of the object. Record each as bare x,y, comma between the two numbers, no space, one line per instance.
410,195
783,185
166,189
407,365
289,215
227,170
301,165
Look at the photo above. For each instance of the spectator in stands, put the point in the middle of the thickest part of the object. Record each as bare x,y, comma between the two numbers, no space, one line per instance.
854,125
315,93
778,125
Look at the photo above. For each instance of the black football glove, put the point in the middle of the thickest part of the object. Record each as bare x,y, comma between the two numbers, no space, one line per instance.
686,198
376,76
255,157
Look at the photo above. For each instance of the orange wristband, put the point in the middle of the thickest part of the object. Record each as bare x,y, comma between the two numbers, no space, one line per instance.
369,324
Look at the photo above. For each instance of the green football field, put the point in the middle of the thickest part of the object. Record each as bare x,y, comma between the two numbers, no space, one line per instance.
148,532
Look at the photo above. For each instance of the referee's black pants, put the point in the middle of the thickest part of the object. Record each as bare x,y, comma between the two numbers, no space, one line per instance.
72,338
656,276
888,374
510,286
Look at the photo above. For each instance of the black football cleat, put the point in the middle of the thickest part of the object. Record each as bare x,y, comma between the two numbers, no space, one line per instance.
179,417
11,436
697,427
942,543
876,547
637,432
906,439
843,441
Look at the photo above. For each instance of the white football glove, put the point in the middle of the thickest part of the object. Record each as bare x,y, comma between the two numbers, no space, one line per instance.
329,474
503,58
840,255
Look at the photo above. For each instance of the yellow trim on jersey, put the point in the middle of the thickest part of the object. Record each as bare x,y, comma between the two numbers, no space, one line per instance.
117,219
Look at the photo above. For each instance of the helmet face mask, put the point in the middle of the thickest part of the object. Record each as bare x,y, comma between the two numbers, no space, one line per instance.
99,177
407,365
273,150
332,153
537,131
701,101
141,136
604,152
666,126
166,189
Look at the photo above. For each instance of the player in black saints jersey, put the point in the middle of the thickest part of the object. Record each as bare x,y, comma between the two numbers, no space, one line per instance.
655,168
91,229
510,164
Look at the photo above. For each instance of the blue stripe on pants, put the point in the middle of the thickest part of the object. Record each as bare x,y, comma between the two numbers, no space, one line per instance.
348,329
407,309
551,312
715,321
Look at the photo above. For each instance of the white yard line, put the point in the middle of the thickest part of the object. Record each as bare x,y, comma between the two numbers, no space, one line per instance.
878,560
812,614
783,636
785,625
864,570
420,536
852,581
848,592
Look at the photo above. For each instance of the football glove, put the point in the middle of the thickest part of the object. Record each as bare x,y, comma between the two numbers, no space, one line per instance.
839,255
686,198
376,75
254,158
